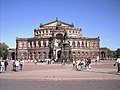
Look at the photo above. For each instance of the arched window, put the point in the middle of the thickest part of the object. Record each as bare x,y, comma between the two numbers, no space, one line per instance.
31,56
73,44
82,44
36,33
73,53
78,54
44,44
78,44
73,32
39,55
103,55
83,54
30,44
34,55
69,31
44,55
34,43
39,43
49,44
86,44
93,45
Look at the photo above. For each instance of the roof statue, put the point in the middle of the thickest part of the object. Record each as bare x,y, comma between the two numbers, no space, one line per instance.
56,18
35,29
72,25
59,25
40,25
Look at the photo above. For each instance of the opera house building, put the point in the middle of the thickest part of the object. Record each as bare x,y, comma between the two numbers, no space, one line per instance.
48,41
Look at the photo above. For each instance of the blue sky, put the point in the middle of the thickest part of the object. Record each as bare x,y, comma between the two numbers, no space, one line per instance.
19,18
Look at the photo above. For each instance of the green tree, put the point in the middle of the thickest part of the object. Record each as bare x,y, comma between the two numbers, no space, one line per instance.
3,50
114,54
117,52
111,54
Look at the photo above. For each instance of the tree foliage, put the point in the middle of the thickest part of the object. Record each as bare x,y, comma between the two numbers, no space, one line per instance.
114,54
3,50
118,52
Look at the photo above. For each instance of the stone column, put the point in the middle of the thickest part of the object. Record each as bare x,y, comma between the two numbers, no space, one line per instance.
46,43
75,44
70,43
29,44
80,43
32,56
32,44
37,44
41,43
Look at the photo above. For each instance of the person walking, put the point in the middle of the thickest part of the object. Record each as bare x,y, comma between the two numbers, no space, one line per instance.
21,65
6,64
74,63
2,67
118,64
82,63
35,62
86,63
17,65
14,67
89,63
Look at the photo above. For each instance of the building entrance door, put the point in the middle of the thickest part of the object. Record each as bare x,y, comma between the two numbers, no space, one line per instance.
103,55
59,55
13,55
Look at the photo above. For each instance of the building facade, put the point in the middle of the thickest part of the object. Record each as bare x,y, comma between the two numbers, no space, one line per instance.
48,40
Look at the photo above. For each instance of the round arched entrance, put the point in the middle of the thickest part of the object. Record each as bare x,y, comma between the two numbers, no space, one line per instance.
59,36
59,40
13,55
103,55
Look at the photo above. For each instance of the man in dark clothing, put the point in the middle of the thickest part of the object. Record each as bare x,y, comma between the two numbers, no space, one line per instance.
6,64
21,65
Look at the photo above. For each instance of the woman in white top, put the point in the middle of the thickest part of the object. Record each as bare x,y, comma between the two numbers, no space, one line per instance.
2,66
17,63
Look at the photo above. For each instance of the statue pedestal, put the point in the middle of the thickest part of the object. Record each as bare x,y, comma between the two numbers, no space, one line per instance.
66,52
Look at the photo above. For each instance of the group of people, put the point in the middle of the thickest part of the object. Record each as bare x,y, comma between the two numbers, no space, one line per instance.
83,63
77,63
17,65
3,65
